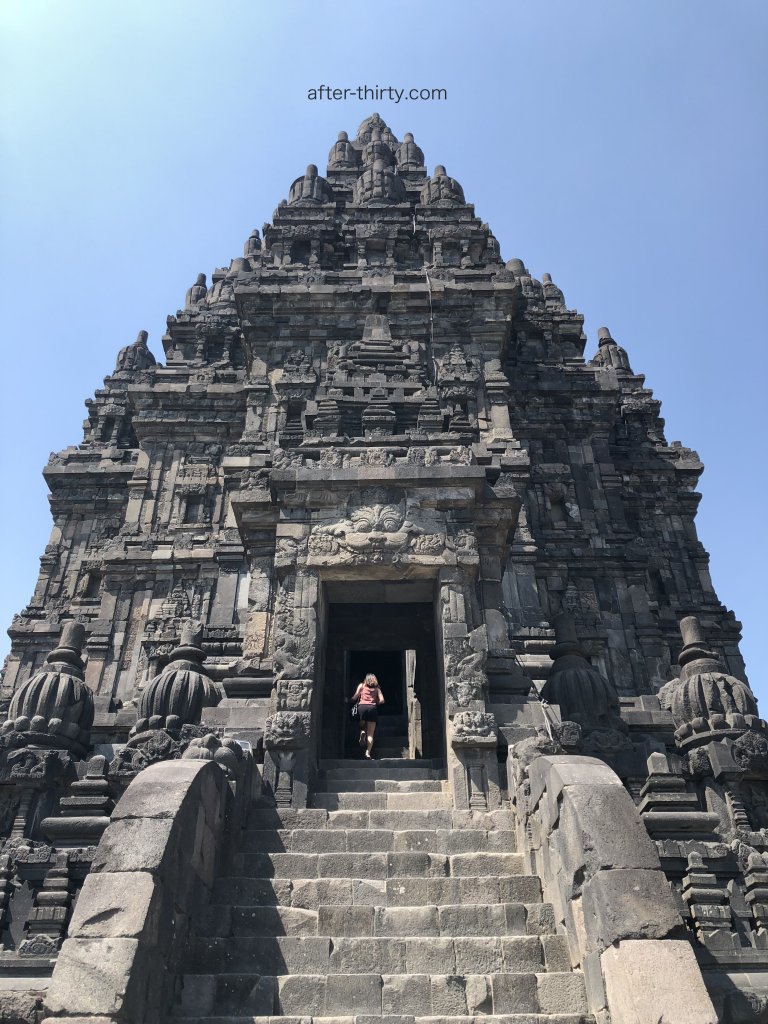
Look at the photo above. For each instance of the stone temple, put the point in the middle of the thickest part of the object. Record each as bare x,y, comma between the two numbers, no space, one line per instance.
375,446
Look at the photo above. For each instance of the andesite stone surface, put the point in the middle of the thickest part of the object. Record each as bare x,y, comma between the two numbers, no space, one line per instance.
374,444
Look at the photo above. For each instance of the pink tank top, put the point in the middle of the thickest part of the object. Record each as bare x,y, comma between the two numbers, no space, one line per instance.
369,695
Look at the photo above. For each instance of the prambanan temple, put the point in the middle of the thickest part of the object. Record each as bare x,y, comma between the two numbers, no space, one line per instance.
374,445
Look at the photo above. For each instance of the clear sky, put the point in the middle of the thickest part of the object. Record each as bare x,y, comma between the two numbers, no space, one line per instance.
620,146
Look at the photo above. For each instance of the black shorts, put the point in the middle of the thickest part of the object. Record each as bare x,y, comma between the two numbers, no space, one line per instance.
368,713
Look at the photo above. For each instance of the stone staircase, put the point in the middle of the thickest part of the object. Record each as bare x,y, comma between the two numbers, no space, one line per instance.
379,903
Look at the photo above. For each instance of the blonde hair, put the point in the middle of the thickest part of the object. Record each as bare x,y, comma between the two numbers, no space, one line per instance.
370,680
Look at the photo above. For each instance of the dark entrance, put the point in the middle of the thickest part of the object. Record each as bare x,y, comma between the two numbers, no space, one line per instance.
395,641
392,727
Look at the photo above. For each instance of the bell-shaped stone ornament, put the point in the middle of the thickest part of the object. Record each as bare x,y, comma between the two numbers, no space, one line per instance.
55,707
196,293
706,702
182,689
136,356
343,155
310,189
442,190
409,156
379,184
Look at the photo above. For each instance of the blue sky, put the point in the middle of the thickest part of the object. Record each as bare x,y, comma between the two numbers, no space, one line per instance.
620,146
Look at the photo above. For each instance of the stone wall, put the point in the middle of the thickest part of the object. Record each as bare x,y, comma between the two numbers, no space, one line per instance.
153,869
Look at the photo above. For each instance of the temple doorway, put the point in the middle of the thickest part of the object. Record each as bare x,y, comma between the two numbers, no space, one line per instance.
394,639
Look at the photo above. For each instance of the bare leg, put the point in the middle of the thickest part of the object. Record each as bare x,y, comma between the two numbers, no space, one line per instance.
370,729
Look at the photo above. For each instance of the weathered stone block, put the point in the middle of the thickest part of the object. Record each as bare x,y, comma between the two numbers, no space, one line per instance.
369,891
556,954
473,919
406,921
485,864
119,905
514,993
562,993
406,994
628,904
409,864
417,841
448,995
135,845
101,976
317,840
477,955
540,919
246,994
302,994
345,921
584,843
353,993
347,865
652,980
371,840
361,956
312,893
478,994
520,889
522,954
430,956
555,772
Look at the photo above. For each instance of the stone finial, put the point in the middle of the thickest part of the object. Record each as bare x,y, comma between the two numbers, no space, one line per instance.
136,356
583,694
610,355
343,155
310,189
177,696
73,633
408,155
566,639
517,267
196,293
604,336
192,634
54,708
442,190
377,149
253,244
695,649
371,124
379,184
706,702
553,296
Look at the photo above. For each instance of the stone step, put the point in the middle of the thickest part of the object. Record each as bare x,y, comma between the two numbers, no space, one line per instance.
350,784
314,818
363,769
465,920
312,893
356,840
505,1018
378,865
393,954
383,801
385,767
401,820
397,997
